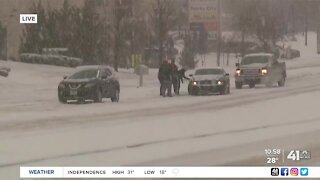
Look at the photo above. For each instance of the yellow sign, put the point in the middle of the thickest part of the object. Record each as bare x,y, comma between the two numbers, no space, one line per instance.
203,11
136,59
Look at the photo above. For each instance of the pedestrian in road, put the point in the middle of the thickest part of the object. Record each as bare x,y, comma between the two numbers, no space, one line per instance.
175,77
161,75
182,74
165,78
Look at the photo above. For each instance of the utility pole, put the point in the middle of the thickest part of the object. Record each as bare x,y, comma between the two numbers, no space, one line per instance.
4,32
105,29
318,31
6,42
306,24
132,34
219,34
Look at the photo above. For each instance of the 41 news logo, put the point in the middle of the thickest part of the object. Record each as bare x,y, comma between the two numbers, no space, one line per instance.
297,155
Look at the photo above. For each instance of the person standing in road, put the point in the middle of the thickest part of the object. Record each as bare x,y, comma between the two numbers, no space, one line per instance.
165,78
160,75
175,77
182,74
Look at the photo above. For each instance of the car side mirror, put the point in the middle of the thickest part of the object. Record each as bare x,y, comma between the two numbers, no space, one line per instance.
65,77
190,75
227,74
104,77
237,64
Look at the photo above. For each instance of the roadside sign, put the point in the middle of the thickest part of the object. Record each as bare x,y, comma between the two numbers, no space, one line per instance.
196,27
203,11
203,16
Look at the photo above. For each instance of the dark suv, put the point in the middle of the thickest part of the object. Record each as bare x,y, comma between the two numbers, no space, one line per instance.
89,84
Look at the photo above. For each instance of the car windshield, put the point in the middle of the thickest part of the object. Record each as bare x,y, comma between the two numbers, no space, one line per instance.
254,60
84,74
208,71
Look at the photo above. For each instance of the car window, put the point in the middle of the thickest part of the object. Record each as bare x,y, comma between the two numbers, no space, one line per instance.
255,59
84,74
103,73
209,71
108,72
274,60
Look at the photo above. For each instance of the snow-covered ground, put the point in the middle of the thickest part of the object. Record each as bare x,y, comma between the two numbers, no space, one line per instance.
143,128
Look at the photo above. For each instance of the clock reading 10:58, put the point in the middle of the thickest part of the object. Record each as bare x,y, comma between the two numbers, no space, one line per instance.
272,151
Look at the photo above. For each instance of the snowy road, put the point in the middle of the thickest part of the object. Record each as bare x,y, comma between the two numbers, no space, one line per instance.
146,129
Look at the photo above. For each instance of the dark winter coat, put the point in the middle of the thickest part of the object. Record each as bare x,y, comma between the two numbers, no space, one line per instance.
182,75
165,72
175,73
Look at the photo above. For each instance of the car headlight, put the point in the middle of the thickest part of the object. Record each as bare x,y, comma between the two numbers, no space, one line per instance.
238,71
264,71
219,82
194,82
61,86
89,85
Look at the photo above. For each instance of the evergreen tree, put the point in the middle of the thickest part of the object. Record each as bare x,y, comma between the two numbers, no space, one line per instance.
162,10
51,37
65,23
89,32
120,26
33,34
3,43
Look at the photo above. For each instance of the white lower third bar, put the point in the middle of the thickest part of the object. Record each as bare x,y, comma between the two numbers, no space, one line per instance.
170,172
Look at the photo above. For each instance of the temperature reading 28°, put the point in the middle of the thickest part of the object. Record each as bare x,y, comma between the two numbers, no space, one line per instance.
272,160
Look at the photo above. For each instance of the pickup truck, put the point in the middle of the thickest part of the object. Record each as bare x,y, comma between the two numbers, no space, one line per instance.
260,68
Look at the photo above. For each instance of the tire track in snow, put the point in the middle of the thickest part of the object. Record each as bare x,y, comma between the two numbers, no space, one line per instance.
213,105
227,105
150,143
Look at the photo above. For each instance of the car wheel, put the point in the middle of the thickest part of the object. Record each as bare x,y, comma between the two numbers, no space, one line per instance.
189,90
269,84
281,83
222,92
252,85
238,85
62,101
98,96
228,91
193,92
116,96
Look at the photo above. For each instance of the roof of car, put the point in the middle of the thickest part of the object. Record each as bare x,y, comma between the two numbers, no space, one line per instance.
259,54
209,68
93,67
